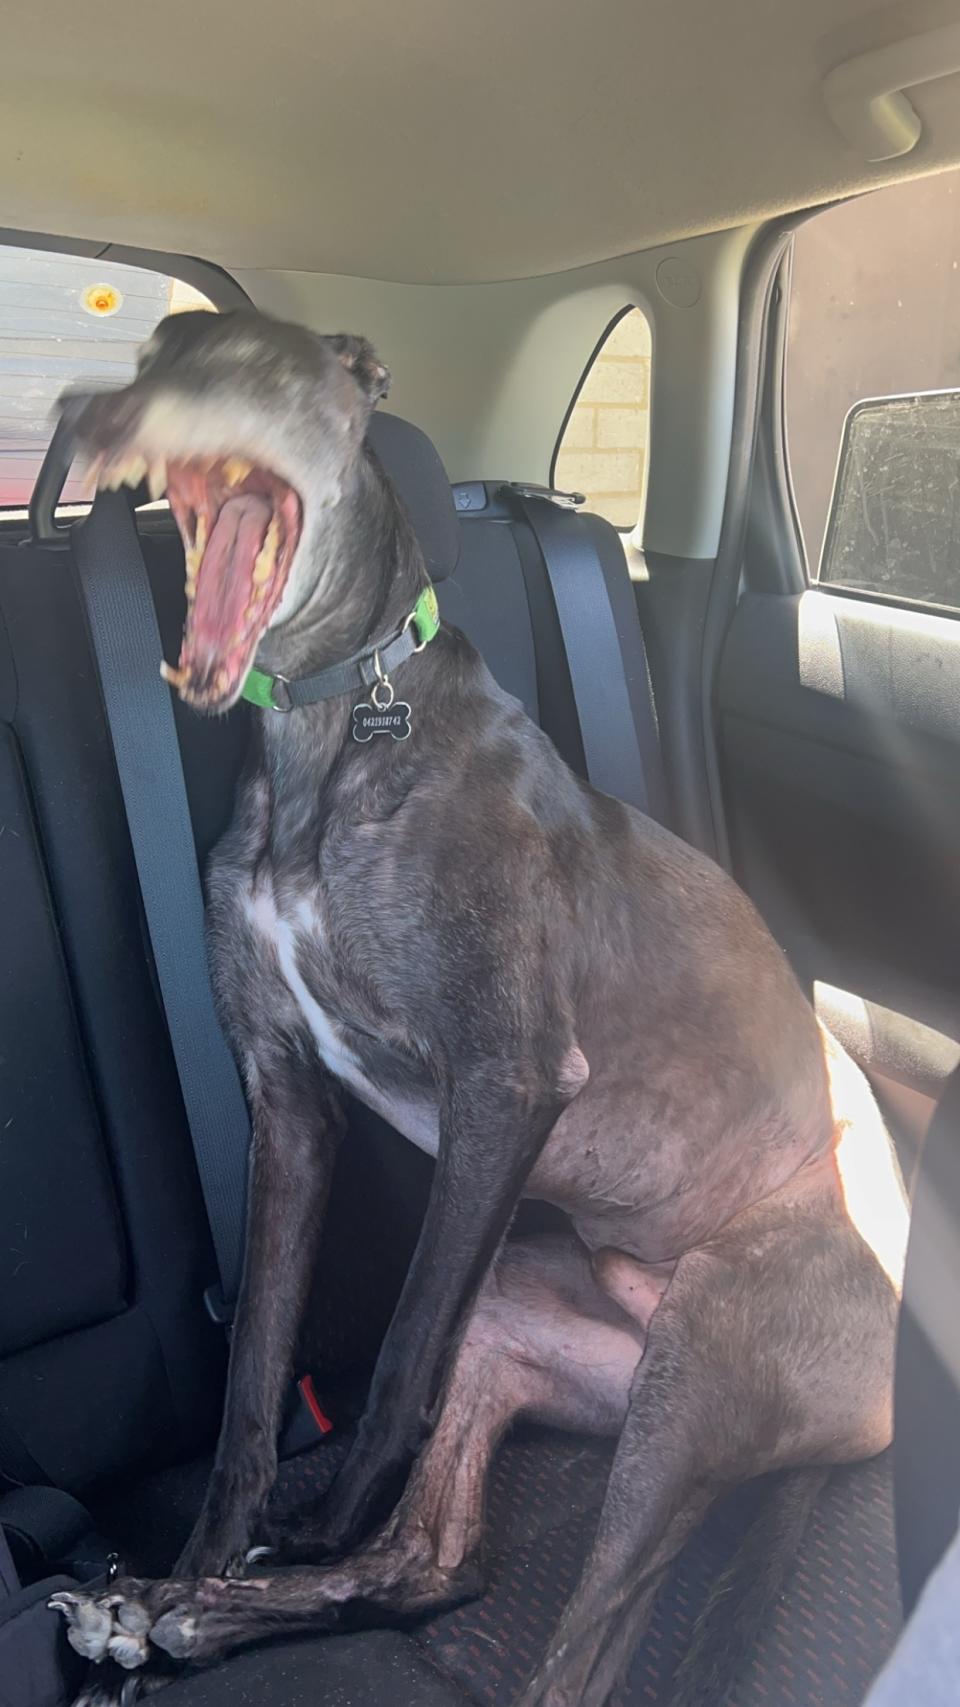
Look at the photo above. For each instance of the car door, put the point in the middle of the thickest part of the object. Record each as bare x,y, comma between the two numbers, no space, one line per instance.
836,712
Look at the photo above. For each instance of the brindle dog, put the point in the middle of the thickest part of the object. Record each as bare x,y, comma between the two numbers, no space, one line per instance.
546,990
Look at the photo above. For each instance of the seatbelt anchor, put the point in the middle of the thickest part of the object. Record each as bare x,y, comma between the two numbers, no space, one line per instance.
218,1308
305,1420
563,500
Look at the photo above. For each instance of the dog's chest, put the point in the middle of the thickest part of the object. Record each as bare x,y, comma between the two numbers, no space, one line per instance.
293,943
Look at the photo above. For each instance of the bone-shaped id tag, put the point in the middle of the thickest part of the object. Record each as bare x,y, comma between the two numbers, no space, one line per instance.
370,720
384,715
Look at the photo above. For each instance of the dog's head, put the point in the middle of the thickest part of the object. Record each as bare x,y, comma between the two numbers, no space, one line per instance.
253,428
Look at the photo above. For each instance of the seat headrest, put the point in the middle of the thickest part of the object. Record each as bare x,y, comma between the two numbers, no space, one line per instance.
413,465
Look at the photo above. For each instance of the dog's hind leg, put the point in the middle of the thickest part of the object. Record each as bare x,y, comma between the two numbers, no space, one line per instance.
754,1362
544,1341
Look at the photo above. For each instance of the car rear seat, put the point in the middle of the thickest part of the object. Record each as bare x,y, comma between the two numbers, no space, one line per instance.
110,1372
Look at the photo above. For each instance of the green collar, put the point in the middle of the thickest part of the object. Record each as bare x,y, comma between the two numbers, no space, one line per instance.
359,673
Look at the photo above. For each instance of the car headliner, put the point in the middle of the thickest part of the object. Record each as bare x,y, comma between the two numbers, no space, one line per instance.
434,141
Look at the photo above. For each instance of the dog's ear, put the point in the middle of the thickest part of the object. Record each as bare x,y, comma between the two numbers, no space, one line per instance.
361,359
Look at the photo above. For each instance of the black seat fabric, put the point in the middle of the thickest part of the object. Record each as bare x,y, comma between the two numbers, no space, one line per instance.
107,1359
110,1371
833,1630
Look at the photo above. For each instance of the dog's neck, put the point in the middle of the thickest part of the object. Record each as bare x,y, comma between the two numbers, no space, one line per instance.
371,580
370,574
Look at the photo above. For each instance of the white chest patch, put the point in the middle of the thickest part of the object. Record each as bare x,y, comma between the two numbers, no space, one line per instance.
417,1121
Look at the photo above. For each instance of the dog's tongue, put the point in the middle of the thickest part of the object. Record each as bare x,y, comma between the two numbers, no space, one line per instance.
225,581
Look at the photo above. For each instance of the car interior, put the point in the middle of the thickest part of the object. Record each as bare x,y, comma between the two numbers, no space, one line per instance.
648,280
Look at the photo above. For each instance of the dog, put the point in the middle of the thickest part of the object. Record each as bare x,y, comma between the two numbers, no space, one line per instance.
547,991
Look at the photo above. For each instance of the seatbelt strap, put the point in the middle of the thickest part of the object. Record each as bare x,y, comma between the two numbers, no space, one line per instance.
611,688
117,597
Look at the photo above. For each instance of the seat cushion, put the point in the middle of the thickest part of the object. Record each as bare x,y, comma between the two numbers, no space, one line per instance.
834,1627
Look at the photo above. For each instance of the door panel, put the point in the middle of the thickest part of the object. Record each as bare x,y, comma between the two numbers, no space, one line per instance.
839,724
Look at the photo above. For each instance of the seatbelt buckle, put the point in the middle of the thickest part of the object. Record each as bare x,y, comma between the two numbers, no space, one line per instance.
306,1420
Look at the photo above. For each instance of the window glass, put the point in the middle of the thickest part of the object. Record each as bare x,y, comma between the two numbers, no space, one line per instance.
67,321
874,328
603,450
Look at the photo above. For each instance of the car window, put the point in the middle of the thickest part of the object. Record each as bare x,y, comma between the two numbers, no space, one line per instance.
872,392
67,321
603,446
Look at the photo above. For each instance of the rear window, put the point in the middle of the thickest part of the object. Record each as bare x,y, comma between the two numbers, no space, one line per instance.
604,448
66,321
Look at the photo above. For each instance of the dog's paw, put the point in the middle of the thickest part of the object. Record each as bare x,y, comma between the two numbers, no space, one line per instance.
112,1625
132,1621
115,1624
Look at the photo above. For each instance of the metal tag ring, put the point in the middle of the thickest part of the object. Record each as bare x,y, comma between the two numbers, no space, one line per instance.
410,620
385,687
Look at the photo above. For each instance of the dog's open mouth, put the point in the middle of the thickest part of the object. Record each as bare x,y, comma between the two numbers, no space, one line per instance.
240,526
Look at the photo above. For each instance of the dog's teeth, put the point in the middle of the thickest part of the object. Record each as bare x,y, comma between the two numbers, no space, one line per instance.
177,678
266,559
111,478
236,469
223,681
134,470
200,535
157,479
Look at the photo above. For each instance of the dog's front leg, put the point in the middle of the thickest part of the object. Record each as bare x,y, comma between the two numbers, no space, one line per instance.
297,1124
495,1118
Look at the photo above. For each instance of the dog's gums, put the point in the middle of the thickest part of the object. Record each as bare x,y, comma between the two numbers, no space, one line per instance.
240,525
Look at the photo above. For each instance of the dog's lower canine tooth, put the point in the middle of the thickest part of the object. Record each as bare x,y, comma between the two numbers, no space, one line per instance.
157,479
176,678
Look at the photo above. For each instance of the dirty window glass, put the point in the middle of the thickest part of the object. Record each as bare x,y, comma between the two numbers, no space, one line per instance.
603,450
67,321
894,526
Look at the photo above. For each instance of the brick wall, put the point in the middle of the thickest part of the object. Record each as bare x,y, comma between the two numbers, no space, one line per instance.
604,448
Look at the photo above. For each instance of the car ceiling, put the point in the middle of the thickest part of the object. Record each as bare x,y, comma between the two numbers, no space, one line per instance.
434,141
